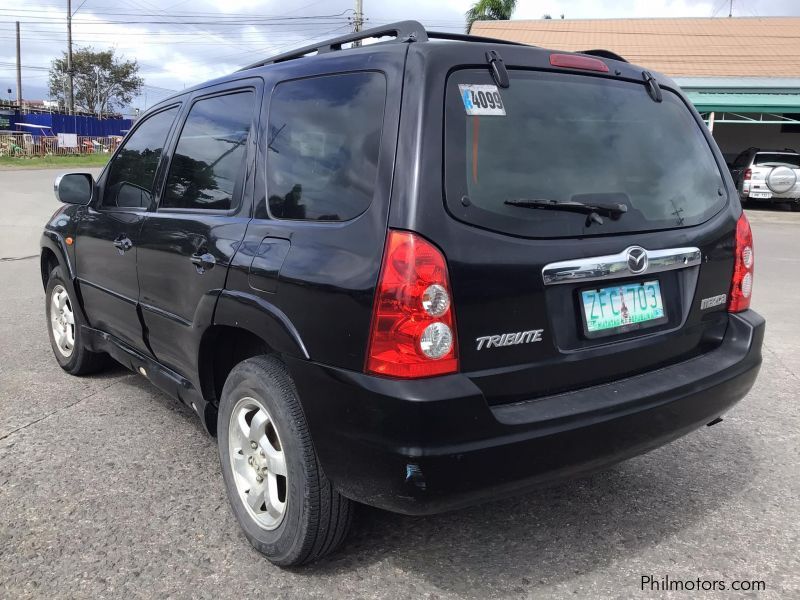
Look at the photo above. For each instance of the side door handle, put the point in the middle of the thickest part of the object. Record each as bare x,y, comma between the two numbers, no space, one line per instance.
203,262
123,243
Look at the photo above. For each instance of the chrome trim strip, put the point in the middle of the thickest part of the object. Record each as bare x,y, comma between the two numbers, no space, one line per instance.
615,266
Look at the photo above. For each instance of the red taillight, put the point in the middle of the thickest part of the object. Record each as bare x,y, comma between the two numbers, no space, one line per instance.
574,61
742,282
748,174
413,329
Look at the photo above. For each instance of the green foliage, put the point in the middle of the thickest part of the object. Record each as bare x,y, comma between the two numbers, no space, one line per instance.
490,10
101,81
53,162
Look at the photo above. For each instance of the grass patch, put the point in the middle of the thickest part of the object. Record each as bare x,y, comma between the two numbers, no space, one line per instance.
54,162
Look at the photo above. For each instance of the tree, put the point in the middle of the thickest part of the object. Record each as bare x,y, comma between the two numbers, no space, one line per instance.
101,81
490,10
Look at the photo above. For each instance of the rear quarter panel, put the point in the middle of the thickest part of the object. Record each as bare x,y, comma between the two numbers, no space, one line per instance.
323,295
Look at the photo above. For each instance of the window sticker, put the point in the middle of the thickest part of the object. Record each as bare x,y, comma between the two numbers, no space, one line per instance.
482,99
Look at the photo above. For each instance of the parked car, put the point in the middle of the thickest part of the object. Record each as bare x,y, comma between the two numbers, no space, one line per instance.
768,176
418,274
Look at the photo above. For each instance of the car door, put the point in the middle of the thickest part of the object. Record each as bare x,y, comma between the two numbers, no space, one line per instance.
187,243
108,231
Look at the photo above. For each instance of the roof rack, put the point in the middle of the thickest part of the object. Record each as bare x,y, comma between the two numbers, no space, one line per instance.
402,31
466,37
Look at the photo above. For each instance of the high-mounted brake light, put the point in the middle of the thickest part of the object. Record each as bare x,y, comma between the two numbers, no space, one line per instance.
413,328
742,280
574,61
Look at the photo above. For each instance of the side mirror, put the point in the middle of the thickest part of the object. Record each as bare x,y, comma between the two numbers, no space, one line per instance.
74,188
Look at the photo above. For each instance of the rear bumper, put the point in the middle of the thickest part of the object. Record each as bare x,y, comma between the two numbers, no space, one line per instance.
792,196
427,446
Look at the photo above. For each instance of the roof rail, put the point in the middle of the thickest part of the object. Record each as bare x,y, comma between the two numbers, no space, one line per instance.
403,31
466,37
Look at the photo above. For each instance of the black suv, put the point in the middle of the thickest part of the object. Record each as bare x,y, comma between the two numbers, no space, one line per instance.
417,274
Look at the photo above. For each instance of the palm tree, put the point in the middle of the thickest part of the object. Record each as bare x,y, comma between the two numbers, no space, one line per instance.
490,10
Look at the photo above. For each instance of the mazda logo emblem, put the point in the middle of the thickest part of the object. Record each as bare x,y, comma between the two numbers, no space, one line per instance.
637,259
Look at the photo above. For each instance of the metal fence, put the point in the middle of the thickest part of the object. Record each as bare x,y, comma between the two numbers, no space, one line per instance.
27,145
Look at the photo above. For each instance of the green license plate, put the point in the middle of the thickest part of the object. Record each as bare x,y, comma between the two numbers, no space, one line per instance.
622,308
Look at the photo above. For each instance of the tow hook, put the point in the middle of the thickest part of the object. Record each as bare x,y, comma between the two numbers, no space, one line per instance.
714,422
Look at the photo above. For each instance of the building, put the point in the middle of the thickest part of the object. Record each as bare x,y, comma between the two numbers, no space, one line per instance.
742,74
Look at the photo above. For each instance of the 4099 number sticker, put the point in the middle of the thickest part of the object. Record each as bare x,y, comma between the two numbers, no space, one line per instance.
481,99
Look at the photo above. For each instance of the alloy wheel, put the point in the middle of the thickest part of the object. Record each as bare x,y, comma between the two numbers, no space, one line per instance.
62,321
258,462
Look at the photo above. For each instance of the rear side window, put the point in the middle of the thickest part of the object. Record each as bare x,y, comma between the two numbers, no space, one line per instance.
207,166
322,146
573,138
769,159
129,183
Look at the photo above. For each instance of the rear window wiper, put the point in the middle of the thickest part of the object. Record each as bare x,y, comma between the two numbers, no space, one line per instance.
593,212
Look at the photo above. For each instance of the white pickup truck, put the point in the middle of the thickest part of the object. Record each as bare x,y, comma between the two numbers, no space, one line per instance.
768,176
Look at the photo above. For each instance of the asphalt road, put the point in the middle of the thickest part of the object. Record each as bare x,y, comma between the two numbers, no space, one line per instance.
108,488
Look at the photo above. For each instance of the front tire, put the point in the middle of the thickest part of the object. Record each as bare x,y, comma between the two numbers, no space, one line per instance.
285,505
64,327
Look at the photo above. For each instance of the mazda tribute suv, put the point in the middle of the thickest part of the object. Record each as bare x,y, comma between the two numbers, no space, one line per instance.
417,274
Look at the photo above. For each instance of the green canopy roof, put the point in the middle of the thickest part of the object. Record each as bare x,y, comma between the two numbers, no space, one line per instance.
745,102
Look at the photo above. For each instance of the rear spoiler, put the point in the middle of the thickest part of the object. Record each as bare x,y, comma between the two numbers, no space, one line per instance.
603,54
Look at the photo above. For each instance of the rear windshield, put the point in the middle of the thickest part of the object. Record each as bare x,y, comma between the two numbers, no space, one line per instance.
764,159
579,139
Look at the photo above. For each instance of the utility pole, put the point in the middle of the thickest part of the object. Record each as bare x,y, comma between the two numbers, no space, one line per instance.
70,91
730,9
358,21
19,70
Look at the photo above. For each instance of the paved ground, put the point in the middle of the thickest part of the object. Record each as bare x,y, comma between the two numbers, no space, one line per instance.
28,196
109,489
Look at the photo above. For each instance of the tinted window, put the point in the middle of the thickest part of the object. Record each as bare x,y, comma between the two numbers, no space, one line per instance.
323,140
764,159
129,183
573,138
208,162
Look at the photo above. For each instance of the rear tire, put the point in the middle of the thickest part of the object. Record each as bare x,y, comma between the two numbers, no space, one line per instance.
64,328
266,453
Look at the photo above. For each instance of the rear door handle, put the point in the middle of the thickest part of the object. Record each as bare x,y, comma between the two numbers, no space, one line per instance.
123,244
203,262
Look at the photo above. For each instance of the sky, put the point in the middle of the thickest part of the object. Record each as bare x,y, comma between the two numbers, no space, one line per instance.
179,43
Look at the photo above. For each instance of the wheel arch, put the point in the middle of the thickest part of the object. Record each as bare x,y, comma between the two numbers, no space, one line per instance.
53,254
47,262
243,325
222,347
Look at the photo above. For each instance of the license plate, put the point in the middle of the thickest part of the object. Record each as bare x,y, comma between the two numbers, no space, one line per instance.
622,307
760,195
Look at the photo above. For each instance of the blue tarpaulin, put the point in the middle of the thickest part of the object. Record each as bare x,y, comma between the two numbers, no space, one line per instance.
72,124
